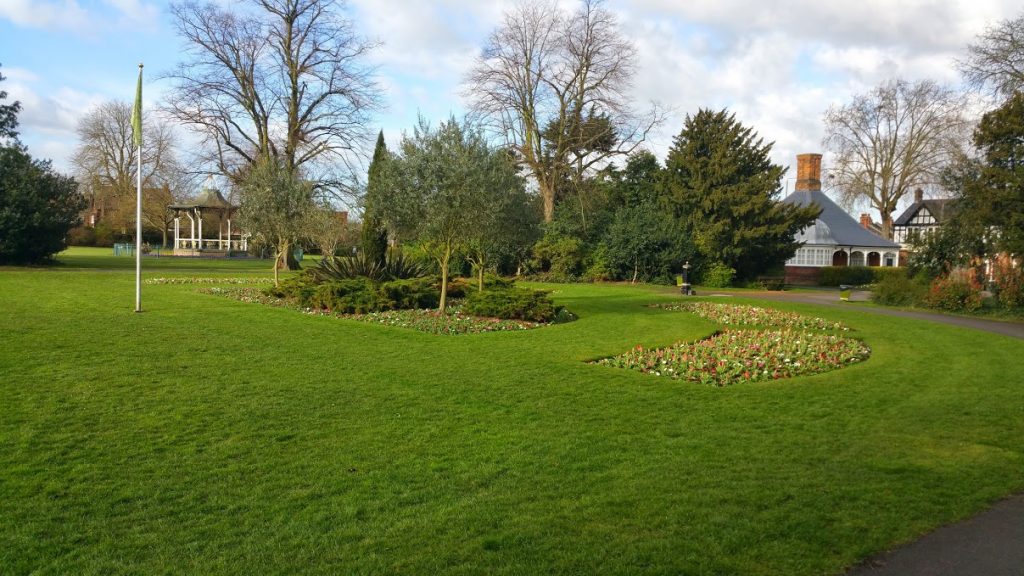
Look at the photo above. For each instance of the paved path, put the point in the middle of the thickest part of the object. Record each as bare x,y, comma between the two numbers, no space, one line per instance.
990,544
831,298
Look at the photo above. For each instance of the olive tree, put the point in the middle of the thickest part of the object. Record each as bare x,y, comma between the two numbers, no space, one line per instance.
444,187
277,207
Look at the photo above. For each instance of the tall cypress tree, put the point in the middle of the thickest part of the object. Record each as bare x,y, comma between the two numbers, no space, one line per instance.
375,235
724,190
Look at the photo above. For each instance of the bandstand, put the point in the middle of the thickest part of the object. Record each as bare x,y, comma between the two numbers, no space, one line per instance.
208,202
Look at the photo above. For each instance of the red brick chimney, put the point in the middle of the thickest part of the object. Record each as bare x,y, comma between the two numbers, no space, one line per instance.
808,172
918,195
865,220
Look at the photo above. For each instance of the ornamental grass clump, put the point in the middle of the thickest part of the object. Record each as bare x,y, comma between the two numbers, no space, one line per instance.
743,315
736,356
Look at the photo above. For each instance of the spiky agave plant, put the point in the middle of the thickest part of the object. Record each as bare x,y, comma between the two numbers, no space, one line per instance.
394,267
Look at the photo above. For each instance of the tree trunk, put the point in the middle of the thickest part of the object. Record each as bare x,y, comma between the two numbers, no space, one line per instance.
286,260
548,194
887,225
443,261
636,271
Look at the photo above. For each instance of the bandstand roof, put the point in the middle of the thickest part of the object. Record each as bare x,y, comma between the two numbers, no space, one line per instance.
207,198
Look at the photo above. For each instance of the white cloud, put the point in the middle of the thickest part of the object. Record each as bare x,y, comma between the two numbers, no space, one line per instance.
89,20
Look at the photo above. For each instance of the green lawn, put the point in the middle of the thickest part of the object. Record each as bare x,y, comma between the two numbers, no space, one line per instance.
211,436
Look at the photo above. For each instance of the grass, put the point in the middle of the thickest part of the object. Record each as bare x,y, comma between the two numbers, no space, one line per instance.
212,436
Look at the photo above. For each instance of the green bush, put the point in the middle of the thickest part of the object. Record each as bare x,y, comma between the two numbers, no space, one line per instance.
718,275
562,256
959,291
358,296
299,288
512,304
412,292
599,268
849,275
893,287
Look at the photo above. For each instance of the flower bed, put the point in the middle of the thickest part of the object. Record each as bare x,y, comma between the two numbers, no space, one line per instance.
453,321
743,315
737,356
193,280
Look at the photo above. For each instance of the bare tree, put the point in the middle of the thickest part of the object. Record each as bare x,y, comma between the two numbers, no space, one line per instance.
555,86
275,79
892,139
106,164
995,60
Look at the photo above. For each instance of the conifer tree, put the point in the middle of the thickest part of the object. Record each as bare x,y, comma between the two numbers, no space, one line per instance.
724,190
375,235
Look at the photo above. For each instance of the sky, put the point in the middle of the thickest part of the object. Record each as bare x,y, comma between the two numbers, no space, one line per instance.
778,65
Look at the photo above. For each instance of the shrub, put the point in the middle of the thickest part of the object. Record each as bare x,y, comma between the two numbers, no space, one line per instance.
1008,281
560,255
512,304
299,287
718,275
599,268
892,289
959,291
412,292
82,236
849,275
358,295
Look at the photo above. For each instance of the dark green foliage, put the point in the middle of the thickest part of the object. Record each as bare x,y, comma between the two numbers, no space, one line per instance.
374,234
896,288
412,292
37,208
354,296
513,303
560,256
299,288
848,275
720,184
995,198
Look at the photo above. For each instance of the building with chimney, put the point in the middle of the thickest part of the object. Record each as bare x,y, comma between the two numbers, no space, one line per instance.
922,218
835,238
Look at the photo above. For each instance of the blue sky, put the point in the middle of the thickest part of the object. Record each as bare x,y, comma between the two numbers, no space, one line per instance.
778,65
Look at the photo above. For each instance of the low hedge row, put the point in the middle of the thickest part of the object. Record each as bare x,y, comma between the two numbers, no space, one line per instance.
857,275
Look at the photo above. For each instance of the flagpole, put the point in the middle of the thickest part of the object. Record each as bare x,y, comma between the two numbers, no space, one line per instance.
138,200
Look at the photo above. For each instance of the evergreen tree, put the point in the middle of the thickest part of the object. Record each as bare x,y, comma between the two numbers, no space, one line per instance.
374,234
723,189
37,208
996,197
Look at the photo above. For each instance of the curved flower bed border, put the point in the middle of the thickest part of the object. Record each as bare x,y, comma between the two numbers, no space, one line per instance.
195,280
735,356
744,315
451,322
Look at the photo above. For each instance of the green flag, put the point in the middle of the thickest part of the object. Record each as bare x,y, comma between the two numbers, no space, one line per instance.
137,113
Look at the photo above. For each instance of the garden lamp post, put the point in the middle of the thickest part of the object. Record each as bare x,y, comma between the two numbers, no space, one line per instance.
685,286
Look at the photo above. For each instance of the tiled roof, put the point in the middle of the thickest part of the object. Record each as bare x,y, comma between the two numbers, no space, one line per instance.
834,226
942,209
